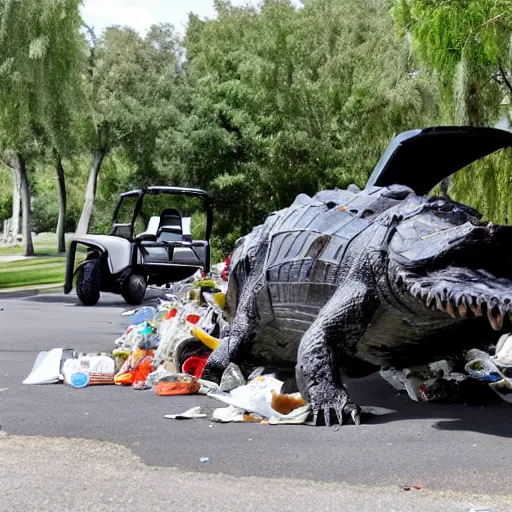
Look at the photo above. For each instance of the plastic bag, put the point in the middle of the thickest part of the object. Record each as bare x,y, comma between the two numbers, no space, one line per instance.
137,316
262,398
98,369
253,397
48,366
177,384
136,368
232,378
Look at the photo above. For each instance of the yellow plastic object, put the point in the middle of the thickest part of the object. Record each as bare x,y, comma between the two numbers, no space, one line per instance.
208,340
220,299
206,283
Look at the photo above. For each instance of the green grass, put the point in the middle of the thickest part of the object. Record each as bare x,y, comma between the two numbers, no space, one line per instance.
32,272
45,244
40,250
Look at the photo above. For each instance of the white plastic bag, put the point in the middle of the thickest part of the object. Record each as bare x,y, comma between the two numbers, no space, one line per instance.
101,369
46,369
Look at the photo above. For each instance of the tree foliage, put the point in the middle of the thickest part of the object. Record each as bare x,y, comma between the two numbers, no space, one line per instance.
468,44
285,100
256,105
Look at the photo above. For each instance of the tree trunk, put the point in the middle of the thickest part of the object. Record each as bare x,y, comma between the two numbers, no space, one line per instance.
90,192
61,223
16,203
25,207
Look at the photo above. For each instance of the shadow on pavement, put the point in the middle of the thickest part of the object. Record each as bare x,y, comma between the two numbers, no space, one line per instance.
493,417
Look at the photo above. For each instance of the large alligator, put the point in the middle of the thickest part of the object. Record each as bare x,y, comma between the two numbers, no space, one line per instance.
351,281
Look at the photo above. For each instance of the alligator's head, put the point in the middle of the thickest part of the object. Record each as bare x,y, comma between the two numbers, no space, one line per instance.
442,257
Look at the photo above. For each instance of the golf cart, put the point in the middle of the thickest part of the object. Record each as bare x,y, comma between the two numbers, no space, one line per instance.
126,262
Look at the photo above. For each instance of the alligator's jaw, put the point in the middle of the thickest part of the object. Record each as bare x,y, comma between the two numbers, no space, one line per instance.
460,293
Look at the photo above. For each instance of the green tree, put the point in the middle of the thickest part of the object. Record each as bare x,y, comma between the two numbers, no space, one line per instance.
40,54
468,44
284,100
131,88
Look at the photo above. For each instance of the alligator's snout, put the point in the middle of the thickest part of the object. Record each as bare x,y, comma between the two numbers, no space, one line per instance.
461,293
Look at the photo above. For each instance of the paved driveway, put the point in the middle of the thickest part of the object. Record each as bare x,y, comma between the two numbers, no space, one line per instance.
457,449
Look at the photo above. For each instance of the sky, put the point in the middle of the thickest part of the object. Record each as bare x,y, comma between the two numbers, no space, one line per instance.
140,14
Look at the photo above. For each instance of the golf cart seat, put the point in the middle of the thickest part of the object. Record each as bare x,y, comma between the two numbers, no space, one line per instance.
172,227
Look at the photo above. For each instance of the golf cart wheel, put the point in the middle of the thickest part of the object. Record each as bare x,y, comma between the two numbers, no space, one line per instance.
133,289
88,283
188,348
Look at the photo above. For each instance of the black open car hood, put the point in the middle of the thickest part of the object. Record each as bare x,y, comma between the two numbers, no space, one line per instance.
422,158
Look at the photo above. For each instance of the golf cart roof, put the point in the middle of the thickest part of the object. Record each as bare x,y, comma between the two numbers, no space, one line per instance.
422,158
192,192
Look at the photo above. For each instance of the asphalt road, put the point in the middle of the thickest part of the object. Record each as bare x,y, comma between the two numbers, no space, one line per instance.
453,452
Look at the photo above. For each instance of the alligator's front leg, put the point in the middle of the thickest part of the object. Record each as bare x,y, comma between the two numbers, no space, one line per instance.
242,329
335,332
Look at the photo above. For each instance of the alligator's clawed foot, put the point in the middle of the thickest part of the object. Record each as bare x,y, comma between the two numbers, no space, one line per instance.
219,360
336,409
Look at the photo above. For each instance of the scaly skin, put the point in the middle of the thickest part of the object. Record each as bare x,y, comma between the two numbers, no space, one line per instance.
354,281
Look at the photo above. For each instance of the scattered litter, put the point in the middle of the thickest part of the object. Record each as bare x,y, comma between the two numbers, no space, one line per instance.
204,459
416,487
165,347
79,380
480,510
136,368
256,373
195,365
207,387
257,397
232,378
3,389
88,371
47,367
235,415
494,370
177,384
140,315
194,412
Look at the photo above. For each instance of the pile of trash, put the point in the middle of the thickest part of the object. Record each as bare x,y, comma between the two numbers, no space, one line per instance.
445,380
165,348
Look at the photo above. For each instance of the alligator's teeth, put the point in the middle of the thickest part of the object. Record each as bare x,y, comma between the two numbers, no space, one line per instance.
430,298
496,321
450,310
439,303
463,307
477,310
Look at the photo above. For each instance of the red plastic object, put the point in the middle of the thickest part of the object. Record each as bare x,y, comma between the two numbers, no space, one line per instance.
193,319
170,314
194,365
225,273
177,388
